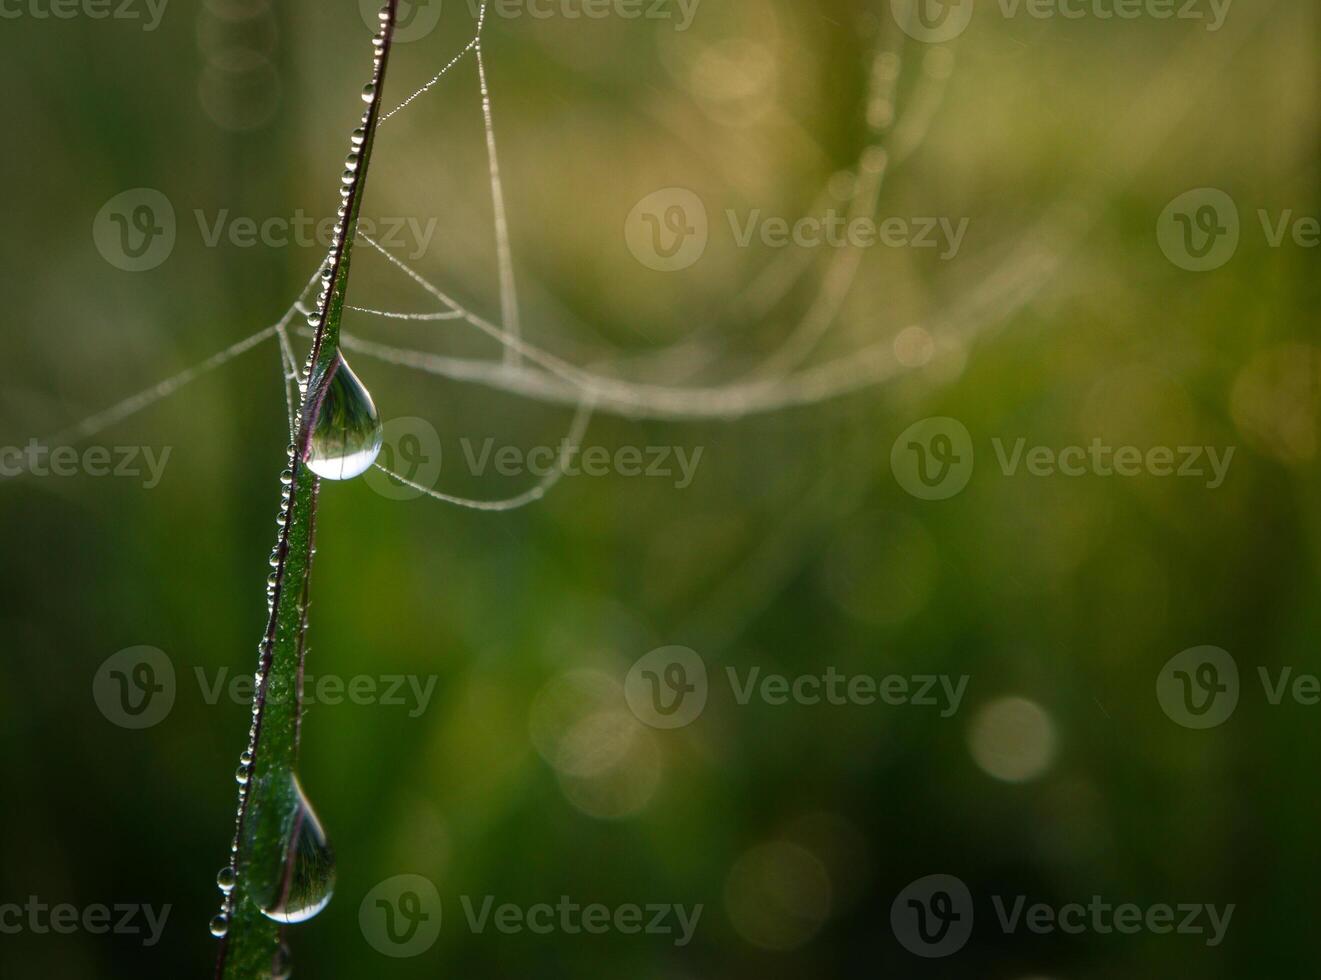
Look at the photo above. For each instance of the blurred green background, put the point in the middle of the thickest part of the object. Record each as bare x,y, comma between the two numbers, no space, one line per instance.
794,549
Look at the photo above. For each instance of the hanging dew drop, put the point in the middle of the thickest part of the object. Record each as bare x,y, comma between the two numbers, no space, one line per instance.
226,880
220,926
369,92
346,428
306,882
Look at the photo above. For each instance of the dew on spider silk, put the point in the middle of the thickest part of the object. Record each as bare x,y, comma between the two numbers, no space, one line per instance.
303,887
346,428
226,880
220,926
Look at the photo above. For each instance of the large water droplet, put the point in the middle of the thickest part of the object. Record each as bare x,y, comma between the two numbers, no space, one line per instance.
220,925
226,880
305,883
346,428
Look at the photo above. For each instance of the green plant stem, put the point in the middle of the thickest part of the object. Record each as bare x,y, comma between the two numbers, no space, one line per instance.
266,805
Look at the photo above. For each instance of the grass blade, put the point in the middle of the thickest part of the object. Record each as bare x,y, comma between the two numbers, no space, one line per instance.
251,941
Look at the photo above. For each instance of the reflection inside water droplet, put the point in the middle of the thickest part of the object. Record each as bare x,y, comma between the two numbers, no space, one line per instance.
346,428
307,880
